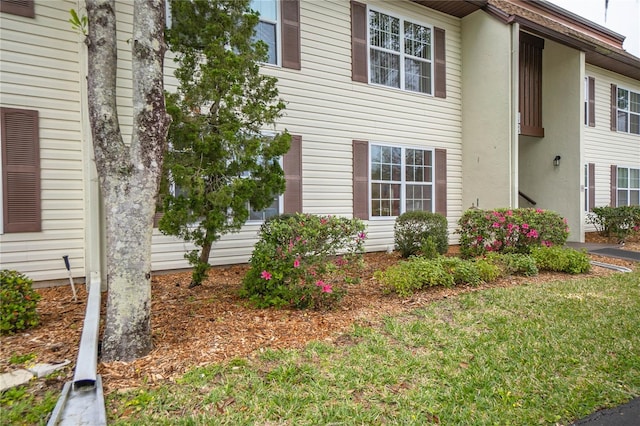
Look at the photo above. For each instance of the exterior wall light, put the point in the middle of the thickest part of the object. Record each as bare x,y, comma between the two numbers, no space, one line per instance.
556,161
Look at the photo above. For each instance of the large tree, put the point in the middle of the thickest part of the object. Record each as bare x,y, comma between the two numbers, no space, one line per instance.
219,159
130,174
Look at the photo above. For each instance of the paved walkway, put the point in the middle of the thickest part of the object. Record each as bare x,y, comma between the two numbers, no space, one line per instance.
629,413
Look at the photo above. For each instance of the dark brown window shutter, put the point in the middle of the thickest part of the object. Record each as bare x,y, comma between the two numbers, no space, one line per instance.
592,186
24,8
530,92
20,170
291,34
361,179
592,102
359,70
614,107
614,185
292,165
441,181
440,69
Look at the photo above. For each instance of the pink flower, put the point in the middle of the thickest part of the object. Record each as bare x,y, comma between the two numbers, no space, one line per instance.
326,288
525,226
323,221
496,225
546,243
539,210
509,212
266,275
296,263
362,236
532,234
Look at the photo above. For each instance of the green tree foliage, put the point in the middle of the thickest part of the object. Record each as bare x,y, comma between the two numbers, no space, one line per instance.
220,160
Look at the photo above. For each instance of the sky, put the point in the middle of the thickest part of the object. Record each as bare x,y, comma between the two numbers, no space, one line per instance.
623,17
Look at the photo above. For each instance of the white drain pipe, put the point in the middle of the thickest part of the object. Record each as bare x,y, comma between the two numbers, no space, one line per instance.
82,401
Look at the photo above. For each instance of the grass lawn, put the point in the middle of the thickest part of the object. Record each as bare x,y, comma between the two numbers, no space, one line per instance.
528,355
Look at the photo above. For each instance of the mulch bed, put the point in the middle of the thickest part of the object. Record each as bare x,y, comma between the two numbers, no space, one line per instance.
210,323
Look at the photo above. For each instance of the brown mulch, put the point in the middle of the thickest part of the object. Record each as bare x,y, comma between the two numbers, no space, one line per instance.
210,323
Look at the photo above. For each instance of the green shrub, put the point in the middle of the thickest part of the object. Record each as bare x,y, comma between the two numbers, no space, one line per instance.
514,263
418,273
405,278
488,271
18,302
302,260
509,230
463,271
620,222
413,231
561,259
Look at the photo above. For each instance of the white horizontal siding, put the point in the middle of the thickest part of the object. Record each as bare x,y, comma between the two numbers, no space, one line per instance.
329,110
40,69
602,146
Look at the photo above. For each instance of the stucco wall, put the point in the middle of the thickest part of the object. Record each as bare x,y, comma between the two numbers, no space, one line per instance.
487,114
557,188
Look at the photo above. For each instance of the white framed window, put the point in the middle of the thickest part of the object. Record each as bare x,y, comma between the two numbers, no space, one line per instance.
628,111
401,180
268,29
628,186
400,53
274,209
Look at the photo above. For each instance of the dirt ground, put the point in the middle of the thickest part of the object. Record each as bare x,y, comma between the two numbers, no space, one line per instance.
210,323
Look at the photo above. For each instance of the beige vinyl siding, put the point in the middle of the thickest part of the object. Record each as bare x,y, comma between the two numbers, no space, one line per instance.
40,71
602,146
329,110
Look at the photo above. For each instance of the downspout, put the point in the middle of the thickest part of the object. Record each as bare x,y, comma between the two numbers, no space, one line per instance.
93,235
515,120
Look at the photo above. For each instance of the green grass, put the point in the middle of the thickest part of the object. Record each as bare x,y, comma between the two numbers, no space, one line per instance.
528,355
536,354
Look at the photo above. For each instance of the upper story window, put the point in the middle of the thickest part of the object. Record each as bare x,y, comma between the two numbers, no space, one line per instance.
401,180
628,114
268,28
400,53
589,101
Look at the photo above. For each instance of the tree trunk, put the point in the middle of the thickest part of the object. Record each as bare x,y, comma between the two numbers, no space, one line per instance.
129,175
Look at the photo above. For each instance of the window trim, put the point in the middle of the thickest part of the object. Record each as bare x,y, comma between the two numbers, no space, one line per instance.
403,181
628,188
627,111
402,55
278,33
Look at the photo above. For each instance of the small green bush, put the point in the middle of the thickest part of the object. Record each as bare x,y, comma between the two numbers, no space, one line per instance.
509,231
620,222
514,263
488,271
414,230
561,259
463,271
417,273
302,260
18,302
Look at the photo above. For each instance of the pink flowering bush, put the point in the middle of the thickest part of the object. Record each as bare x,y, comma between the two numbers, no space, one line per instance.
509,230
303,261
